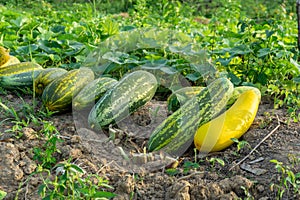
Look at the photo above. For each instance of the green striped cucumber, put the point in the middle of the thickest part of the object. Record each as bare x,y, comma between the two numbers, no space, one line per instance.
12,60
179,97
45,77
92,92
175,134
4,56
58,95
19,75
131,92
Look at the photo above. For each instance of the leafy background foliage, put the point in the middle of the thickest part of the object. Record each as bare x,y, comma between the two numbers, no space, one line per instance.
251,43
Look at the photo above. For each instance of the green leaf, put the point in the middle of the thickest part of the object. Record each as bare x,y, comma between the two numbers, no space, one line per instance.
44,34
297,66
194,77
240,50
224,61
110,27
297,79
2,194
127,28
41,189
181,49
19,22
99,194
190,165
234,79
147,43
116,57
206,70
262,78
248,84
218,160
168,70
76,168
27,49
235,140
48,197
263,52
157,64
172,171
49,46
297,175
58,29
269,33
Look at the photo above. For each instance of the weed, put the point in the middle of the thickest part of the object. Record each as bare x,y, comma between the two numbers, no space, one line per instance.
241,144
172,171
216,160
247,194
69,183
2,194
15,119
288,179
294,160
188,165
186,168
17,128
10,111
45,155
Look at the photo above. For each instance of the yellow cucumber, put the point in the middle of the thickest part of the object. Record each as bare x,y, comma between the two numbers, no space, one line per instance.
216,135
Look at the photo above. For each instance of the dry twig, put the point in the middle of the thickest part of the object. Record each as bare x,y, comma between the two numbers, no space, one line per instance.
266,137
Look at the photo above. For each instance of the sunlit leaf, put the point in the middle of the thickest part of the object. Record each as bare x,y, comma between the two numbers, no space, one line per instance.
19,22
110,27
295,64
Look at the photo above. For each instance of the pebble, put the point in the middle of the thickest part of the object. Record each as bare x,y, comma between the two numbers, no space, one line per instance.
260,188
29,133
75,153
